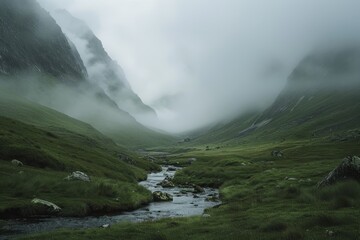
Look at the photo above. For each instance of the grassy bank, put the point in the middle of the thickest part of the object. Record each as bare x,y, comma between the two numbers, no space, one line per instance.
264,197
51,145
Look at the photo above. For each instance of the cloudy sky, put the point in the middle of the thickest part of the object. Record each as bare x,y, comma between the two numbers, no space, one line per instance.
200,61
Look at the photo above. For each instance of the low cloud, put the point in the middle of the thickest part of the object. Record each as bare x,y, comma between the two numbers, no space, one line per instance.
198,62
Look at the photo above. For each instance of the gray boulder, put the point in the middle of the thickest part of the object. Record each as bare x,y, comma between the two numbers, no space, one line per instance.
167,184
77,175
53,207
162,196
17,163
191,160
349,168
277,153
198,189
171,169
105,225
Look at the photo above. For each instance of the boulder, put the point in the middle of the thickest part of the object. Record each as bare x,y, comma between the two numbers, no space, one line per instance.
53,207
167,184
191,160
171,169
212,199
105,225
17,163
78,176
162,196
349,168
277,153
198,189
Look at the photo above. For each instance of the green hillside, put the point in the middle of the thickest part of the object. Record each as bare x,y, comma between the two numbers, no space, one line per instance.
320,100
51,145
267,196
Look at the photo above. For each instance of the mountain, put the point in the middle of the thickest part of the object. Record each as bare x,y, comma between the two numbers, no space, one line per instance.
40,71
31,40
320,100
103,71
39,62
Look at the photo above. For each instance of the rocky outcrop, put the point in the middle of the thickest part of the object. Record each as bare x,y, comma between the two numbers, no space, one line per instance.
32,41
103,71
348,169
17,163
78,176
51,206
167,183
162,196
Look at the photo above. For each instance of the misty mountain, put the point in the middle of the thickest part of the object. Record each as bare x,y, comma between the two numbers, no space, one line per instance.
30,39
103,71
320,99
40,63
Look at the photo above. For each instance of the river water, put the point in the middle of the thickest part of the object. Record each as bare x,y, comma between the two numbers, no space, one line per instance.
184,203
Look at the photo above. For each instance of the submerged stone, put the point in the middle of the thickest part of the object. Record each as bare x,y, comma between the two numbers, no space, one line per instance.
162,196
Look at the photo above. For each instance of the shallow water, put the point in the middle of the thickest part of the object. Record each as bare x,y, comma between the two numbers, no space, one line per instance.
183,204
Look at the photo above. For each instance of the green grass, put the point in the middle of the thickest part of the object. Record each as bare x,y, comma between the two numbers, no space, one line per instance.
259,200
52,145
77,198
109,121
264,197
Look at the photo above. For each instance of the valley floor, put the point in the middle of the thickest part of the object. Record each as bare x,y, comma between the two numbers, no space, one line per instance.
264,197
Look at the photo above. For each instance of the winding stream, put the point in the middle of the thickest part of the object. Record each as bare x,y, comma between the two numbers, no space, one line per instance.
184,204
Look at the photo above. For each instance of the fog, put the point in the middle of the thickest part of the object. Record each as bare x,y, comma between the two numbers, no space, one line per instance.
197,62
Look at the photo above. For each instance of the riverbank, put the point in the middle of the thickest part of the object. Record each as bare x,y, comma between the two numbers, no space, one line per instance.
185,203
264,197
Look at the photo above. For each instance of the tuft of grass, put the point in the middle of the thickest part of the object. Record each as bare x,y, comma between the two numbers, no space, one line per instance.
293,234
275,226
326,220
346,189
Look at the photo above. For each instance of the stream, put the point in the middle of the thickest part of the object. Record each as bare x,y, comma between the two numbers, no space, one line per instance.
184,204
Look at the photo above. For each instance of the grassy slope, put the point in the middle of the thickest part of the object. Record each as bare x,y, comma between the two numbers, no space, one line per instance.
51,145
103,114
259,199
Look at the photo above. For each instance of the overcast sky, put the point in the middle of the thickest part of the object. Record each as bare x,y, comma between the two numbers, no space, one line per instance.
200,61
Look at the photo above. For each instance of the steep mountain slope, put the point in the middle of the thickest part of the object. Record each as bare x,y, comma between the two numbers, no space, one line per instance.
320,100
40,63
31,40
103,71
